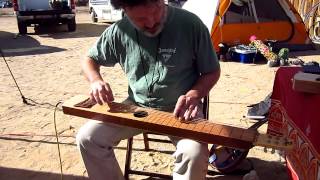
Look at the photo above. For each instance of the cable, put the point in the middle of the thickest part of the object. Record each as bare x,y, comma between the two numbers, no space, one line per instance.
24,100
57,138
310,12
31,134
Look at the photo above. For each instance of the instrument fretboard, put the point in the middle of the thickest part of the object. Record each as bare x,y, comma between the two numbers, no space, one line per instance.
162,122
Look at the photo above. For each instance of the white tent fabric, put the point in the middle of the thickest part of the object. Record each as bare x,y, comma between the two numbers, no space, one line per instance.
288,11
206,10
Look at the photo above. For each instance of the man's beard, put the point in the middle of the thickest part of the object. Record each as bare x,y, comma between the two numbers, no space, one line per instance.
159,25
149,34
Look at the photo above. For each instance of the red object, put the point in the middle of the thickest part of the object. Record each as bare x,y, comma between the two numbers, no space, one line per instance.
15,5
73,4
297,115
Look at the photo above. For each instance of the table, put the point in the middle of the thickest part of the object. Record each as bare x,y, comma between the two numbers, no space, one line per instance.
296,115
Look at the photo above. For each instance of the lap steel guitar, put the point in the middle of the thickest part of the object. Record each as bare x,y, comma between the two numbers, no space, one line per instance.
165,123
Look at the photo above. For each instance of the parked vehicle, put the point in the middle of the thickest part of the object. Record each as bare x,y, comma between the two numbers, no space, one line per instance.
2,4
5,4
102,9
40,12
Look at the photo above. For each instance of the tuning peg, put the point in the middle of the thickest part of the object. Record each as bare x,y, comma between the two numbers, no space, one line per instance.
265,149
273,151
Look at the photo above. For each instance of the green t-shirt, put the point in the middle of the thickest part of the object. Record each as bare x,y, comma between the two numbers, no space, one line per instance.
163,67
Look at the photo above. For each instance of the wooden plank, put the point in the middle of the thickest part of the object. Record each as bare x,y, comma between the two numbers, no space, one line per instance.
199,127
171,122
216,129
237,134
157,120
207,128
226,131
176,123
122,114
249,135
190,126
166,121
184,125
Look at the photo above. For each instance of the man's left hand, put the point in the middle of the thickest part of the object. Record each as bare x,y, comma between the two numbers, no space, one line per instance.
187,108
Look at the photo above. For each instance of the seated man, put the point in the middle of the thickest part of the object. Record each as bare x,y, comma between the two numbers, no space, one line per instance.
168,58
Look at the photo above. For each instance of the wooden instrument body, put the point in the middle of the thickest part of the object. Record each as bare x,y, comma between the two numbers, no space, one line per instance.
165,123
306,82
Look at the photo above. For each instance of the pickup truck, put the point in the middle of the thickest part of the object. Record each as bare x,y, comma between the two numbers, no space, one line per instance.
42,12
103,10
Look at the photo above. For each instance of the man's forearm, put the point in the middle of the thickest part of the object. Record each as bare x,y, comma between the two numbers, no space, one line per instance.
204,84
90,69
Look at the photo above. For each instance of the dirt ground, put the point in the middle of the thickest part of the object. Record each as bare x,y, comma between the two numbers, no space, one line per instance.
45,64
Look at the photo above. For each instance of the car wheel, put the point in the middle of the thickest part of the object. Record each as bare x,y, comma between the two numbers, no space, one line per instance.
93,16
22,27
72,25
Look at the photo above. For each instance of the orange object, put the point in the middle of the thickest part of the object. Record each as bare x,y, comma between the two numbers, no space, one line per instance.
269,20
166,123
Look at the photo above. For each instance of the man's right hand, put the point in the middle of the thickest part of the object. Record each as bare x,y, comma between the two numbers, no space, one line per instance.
101,92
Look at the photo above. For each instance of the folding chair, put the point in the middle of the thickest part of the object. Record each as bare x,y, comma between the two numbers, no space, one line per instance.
146,139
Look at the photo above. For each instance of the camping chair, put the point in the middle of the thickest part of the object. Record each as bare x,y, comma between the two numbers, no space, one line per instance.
146,139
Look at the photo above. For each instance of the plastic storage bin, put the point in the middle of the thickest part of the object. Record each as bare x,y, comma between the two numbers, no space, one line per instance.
243,54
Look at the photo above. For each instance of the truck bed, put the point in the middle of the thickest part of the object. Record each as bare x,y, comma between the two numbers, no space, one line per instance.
45,12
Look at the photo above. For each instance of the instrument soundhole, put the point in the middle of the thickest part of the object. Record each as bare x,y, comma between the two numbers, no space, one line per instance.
140,114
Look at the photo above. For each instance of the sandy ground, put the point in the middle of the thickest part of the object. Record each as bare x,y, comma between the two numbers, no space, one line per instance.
46,67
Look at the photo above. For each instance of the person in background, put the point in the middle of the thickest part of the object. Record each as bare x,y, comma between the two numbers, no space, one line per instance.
176,3
170,64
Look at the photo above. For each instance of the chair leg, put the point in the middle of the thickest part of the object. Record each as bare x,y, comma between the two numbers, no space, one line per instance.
206,107
146,141
128,159
128,170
